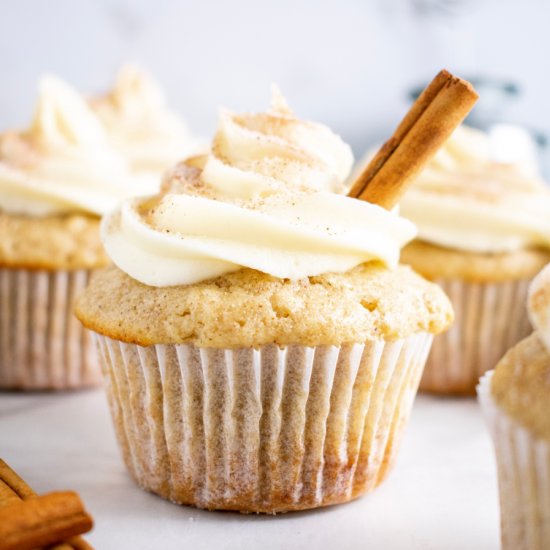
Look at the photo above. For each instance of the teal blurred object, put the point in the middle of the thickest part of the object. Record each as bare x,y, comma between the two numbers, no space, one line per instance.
490,114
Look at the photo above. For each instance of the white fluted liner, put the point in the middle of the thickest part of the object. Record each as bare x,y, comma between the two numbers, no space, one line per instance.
489,320
42,344
523,465
261,430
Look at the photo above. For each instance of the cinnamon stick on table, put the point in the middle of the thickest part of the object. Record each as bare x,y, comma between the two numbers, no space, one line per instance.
28,521
41,521
439,109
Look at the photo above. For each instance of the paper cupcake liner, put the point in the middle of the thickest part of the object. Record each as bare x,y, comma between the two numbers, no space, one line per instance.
261,430
42,344
489,320
523,465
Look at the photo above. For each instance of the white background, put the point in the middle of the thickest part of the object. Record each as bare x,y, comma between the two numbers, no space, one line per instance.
348,63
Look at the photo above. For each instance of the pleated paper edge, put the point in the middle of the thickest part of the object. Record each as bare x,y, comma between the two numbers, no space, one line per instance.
42,344
123,409
523,469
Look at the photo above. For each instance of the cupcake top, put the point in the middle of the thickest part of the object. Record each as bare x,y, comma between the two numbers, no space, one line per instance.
521,385
253,245
248,308
521,381
64,163
539,305
466,201
262,199
142,128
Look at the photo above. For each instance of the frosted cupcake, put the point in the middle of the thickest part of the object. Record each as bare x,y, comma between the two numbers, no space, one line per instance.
260,344
56,179
484,232
515,398
140,125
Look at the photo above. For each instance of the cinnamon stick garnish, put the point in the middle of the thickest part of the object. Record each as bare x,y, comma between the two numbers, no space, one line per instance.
42,521
14,482
14,490
439,109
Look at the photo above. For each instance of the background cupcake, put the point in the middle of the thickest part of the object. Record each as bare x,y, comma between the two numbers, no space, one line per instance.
56,179
484,232
141,127
515,399
260,345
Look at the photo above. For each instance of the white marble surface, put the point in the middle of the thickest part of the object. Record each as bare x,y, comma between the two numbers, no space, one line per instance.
441,495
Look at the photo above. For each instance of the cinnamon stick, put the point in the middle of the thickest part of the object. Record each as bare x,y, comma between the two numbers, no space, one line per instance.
7,494
42,521
14,482
439,109
14,489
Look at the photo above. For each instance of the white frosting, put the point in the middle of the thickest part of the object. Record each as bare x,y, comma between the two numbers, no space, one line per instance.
139,123
263,201
538,305
64,162
464,200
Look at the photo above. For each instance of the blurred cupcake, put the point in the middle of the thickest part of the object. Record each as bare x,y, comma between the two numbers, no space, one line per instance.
483,233
56,179
142,128
515,399
261,347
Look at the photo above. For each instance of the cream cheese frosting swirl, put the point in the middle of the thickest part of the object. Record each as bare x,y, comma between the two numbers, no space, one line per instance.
466,201
140,125
262,199
64,161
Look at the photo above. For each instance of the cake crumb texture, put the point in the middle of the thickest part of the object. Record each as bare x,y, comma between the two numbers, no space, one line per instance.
51,242
436,262
521,385
250,309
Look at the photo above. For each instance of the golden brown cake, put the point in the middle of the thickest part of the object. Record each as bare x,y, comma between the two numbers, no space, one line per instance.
515,398
436,262
260,345
251,309
63,241
483,235
520,386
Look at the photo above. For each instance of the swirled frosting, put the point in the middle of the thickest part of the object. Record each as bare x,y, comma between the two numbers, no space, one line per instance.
464,200
64,161
262,199
139,123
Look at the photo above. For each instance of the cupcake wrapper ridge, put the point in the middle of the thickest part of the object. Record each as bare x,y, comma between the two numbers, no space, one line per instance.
489,320
523,465
261,430
42,345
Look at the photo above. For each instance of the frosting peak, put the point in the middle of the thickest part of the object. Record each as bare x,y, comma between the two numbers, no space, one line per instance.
62,119
258,154
262,199
139,123
64,161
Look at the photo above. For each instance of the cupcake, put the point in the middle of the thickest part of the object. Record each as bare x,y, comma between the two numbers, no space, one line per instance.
141,127
260,344
56,179
515,399
483,233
